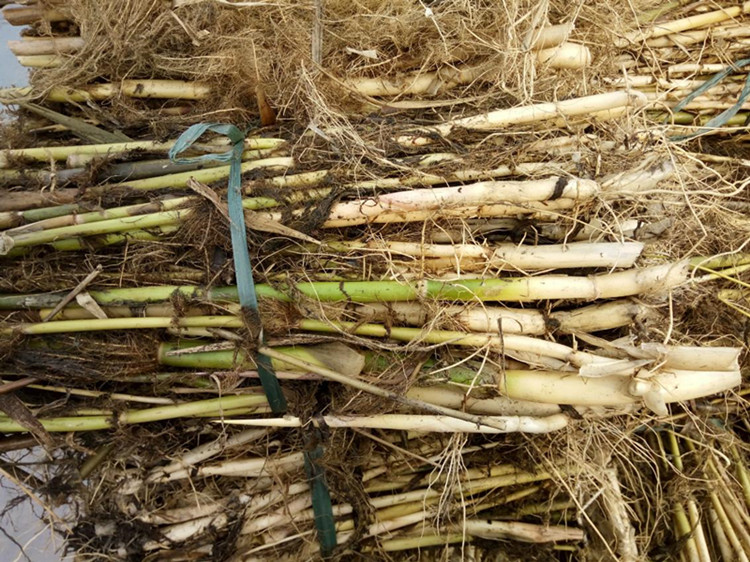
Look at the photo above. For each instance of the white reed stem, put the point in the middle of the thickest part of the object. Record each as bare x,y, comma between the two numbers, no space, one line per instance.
421,423
522,257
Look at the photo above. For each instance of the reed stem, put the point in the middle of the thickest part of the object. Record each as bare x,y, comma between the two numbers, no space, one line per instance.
214,406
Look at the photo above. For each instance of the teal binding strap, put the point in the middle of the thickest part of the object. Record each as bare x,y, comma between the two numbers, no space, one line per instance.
725,115
242,268
321,497
321,501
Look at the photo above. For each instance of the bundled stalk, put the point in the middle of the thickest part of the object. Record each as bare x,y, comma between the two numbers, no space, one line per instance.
600,381
51,46
565,55
25,15
600,106
498,198
528,276
396,515
512,289
678,63
593,318
121,150
221,406
523,258
707,524
149,89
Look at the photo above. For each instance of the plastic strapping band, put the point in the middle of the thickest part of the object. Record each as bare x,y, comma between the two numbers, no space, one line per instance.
243,269
321,501
725,115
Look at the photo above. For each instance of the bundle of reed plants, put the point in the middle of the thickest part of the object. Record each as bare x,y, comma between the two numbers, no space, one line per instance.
489,263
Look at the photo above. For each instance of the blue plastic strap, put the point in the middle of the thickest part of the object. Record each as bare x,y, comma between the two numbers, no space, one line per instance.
243,269
725,115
